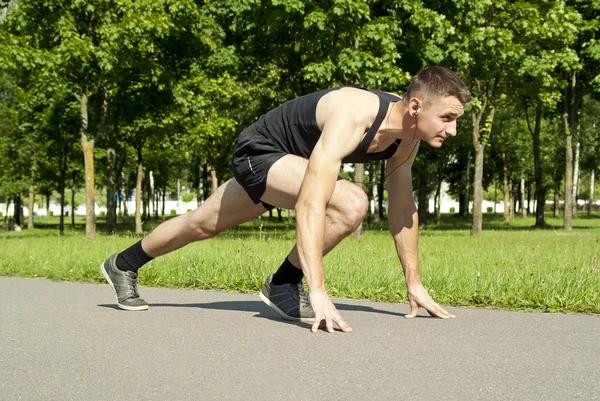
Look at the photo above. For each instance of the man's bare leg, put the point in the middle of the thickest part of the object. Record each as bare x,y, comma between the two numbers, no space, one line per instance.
229,206
345,210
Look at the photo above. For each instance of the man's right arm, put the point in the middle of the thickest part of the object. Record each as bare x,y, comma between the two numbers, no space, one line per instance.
342,132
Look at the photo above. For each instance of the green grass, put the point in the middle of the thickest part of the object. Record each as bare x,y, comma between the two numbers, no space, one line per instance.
509,266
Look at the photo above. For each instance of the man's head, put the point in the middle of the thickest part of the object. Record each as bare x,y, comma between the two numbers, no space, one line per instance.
435,98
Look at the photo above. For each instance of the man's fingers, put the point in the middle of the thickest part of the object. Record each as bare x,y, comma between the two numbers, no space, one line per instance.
424,301
343,325
316,324
414,308
437,311
445,312
450,315
329,324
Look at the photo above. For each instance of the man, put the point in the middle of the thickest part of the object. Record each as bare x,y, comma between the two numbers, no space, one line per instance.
290,158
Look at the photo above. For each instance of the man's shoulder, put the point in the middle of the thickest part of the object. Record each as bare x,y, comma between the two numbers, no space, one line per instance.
353,99
348,103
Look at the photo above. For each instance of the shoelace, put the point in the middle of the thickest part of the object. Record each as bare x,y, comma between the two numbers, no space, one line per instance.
132,283
302,294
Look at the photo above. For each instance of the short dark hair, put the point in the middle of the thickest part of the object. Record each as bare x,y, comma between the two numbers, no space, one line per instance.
437,81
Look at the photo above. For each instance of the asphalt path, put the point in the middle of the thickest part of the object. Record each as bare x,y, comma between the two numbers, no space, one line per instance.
67,341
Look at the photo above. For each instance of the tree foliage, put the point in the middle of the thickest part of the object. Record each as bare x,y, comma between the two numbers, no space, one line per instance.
168,85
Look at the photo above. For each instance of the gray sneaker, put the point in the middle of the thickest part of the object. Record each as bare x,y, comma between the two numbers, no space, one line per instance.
125,285
289,300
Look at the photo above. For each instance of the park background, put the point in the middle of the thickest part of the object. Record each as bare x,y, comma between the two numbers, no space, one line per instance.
116,108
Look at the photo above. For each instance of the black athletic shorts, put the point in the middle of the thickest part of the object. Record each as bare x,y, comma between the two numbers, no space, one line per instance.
253,156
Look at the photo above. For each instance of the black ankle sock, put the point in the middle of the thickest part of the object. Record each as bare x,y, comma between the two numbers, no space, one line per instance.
287,274
133,258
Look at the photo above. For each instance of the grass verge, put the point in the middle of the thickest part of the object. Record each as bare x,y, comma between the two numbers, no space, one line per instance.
509,266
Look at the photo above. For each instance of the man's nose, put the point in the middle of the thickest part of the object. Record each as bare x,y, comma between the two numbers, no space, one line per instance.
451,129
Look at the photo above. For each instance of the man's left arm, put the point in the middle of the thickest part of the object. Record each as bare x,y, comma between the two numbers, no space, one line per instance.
404,225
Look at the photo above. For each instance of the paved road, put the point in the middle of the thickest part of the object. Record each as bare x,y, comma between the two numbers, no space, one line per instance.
66,341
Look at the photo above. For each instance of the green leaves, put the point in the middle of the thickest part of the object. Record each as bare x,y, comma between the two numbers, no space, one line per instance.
184,77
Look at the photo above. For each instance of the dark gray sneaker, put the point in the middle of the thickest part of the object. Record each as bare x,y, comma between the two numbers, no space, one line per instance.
289,300
125,285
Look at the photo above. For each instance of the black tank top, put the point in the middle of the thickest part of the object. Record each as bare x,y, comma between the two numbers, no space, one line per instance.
292,127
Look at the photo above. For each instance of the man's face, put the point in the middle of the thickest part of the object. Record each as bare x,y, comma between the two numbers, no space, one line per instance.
437,122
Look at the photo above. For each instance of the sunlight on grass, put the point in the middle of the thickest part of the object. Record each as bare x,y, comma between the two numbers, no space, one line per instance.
509,266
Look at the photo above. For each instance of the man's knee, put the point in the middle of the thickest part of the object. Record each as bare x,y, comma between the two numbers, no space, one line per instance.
200,228
353,208
360,205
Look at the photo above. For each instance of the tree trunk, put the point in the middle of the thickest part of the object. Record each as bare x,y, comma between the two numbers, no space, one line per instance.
591,200
478,191
138,195
111,207
31,204
150,186
506,215
119,200
522,203
87,145
422,198
380,189
61,225
111,173
17,211
164,194
529,198
513,201
575,181
213,179
73,207
125,192
467,198
540,190
8,201
479,147
438,201
144,199
568,224
556,202
155,203
495,194
62,185
359,175
376,196
373,191
200,191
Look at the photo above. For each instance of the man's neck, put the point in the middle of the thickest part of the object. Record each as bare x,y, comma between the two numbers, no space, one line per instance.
398,122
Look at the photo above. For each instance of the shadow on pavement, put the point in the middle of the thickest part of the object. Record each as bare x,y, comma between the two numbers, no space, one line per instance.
263,310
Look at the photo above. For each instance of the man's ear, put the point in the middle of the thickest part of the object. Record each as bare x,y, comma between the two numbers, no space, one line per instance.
414,106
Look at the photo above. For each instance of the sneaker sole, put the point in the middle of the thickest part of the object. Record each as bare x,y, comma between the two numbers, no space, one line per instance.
124,307
287,317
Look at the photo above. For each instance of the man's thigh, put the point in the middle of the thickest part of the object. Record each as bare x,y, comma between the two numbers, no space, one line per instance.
285,178
229,206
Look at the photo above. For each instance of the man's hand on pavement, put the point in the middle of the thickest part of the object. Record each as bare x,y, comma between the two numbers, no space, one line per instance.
325,310
419,297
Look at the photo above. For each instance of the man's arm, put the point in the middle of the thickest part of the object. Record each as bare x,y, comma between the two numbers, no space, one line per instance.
404,225
343,130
